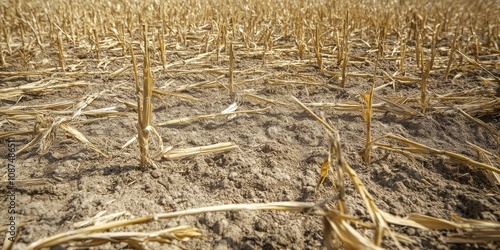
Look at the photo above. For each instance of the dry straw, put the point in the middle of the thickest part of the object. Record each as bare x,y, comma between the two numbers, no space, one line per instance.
231,72
367,115
416,45
61,52
145,108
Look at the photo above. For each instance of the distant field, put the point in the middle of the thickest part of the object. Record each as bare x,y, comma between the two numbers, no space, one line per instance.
250,124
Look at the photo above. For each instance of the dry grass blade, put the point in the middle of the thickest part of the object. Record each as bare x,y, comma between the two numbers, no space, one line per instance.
381,225
182,96
98,219
79,234
477,224
201,84
334,150
405,79
37,138
263,99
130,141
13,133
398,108
42,86
211,149
340,106
56,105
201,117
81,138
481,231
491,236
8,244
118,71
482,155
162,150
89,121
12,112
48,135
479,65
435,223
84,103
422,149
367,114
322,121
106,112
26,183
494,133
402,221
166,236
285,82
350,238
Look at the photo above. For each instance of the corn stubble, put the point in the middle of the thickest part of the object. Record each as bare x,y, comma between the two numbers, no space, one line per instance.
334,31
144,106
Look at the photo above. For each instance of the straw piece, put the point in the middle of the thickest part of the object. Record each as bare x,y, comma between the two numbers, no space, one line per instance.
42,86
182,96
494,132
422,149
84,103
81,138
211,149
98,219
26,183
201,117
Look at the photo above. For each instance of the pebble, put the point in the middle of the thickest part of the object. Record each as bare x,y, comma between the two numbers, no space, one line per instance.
162,201
220,226
232,176
155,174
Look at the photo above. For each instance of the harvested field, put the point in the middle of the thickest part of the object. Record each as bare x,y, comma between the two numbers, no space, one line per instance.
250,124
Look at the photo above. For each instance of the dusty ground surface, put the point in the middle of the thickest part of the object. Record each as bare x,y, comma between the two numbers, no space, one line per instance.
279,158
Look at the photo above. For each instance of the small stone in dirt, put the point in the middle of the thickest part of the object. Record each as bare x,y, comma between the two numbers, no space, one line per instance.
220,226
261,225
155,173
309,190
232,176
171,179
148,188
410,231
162,201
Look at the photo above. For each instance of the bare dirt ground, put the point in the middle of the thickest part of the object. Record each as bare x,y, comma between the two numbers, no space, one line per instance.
281,150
